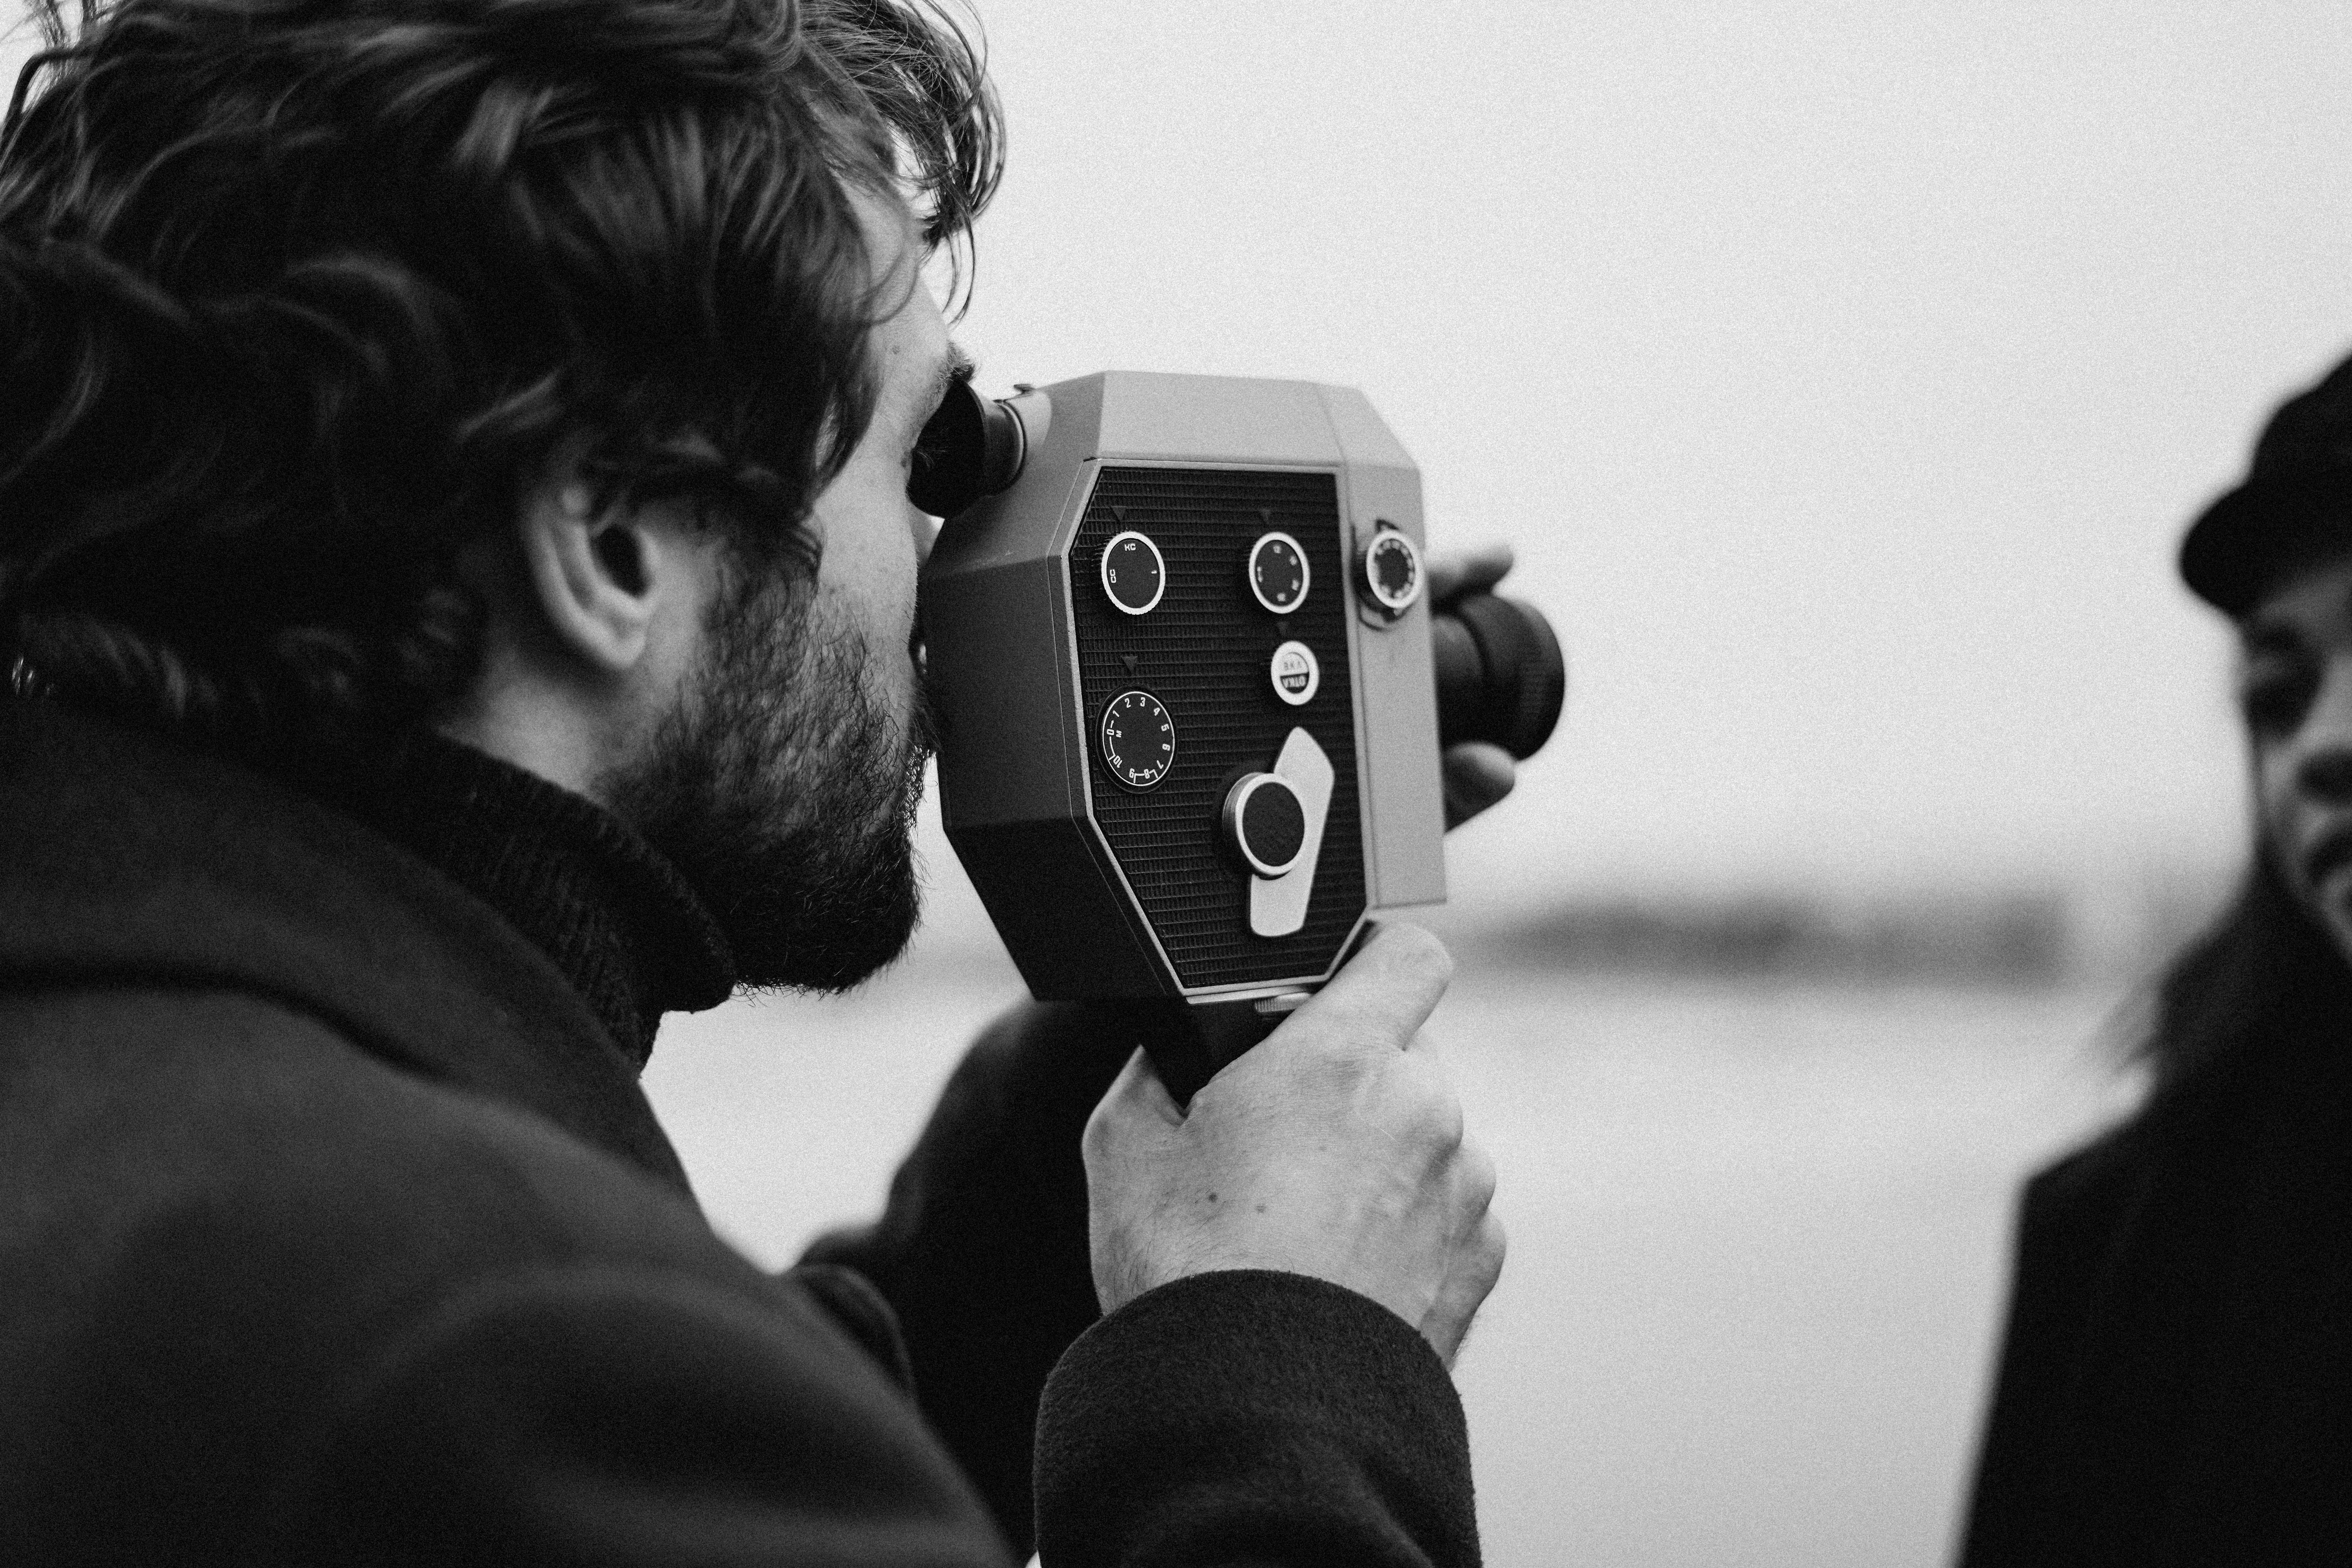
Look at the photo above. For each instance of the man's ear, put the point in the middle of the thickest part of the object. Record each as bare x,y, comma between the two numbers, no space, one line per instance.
599,576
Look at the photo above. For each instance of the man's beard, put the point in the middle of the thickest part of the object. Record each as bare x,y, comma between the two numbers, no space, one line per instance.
785,794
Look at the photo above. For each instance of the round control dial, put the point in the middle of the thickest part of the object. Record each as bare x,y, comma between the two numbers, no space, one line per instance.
1278,573
1391,572
1138,740
1133,575
1264,823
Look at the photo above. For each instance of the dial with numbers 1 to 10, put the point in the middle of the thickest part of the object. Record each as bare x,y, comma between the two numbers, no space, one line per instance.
1138,740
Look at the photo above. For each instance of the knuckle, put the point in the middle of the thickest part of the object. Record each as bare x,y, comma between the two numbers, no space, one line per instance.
1449,1123
1433,1112
1494,1248
1478,1176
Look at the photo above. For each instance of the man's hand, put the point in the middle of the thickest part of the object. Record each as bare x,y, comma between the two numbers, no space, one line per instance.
1334,1149
1477,774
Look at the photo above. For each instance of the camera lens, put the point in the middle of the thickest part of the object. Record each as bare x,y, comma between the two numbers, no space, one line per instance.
1500,674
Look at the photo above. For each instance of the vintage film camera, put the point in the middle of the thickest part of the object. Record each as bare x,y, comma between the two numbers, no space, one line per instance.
1192,691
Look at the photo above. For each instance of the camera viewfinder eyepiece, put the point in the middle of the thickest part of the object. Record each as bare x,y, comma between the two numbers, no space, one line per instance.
972,448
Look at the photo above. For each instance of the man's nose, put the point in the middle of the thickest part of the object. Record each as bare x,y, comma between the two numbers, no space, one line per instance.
924,529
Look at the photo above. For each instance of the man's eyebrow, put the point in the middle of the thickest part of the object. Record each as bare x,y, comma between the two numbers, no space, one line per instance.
951,367
954,365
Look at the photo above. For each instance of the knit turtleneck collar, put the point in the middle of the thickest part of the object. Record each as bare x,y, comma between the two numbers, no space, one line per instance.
579,883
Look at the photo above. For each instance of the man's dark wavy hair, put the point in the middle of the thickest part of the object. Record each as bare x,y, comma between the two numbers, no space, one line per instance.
295,296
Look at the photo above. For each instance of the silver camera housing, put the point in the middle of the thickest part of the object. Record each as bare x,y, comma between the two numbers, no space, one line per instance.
1116,875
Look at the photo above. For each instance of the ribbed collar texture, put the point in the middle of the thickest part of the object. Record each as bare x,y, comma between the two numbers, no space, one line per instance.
579,883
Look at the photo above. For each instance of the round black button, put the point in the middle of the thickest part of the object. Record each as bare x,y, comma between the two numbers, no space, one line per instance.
1138,740
1266,823
1391,572
1132,573
1278,573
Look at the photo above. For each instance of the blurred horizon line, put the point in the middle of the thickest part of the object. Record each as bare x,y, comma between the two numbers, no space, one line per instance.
2116,928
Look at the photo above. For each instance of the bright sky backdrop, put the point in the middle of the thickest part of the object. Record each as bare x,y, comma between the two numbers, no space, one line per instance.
1844,373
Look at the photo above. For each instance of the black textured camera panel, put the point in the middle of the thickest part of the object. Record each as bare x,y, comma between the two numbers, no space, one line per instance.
1204,652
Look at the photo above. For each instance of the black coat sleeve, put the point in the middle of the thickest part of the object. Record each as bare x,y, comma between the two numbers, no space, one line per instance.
1251,1417
982,1248
1240,1417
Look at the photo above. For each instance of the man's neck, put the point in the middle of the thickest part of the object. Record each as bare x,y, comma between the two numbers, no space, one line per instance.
533,730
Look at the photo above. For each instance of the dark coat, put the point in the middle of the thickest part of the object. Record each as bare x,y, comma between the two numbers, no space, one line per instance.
2176,1384
334,1227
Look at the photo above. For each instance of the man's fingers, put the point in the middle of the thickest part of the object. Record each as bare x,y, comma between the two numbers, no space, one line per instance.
1477,775
1383,994
1488,1252
1456,571
1477,1177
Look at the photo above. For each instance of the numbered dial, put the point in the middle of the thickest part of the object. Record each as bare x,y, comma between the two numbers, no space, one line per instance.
1133,575
1278,573
1138,740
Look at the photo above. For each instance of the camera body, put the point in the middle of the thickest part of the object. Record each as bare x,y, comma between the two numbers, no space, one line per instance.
1188,721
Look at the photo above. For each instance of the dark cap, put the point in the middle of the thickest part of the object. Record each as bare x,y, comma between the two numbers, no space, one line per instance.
2295,502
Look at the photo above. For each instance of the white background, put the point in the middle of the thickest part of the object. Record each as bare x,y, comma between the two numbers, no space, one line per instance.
1844,373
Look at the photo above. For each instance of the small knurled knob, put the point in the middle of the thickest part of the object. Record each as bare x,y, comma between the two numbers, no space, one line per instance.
1264,823
1389,566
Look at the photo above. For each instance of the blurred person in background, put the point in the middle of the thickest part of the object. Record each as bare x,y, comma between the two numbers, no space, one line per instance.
2176,1385
457,604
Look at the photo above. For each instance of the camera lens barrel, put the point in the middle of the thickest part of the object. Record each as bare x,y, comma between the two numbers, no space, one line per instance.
1501,677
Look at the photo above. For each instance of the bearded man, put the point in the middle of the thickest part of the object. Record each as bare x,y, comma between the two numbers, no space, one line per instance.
458,603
